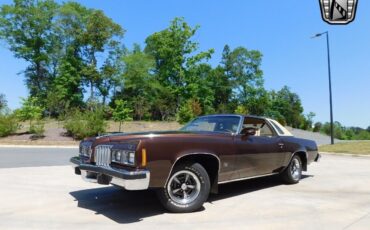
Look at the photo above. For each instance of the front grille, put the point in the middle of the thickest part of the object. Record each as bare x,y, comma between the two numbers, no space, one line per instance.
103,155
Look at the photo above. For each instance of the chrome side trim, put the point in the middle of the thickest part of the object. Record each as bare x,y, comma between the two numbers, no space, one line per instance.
177,159
247,178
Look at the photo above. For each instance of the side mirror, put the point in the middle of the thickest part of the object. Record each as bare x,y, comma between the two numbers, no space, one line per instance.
249,131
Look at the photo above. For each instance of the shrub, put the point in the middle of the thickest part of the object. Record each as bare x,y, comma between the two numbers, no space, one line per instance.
189,111
317,127
85,124
8,125
37,129
29,111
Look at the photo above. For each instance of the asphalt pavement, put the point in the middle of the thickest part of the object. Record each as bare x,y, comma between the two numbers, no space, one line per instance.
333,194
14,157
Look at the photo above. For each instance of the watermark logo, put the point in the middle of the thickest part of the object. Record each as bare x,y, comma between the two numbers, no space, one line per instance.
338,11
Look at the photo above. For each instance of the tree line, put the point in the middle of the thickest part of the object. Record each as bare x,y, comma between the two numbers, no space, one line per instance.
74,51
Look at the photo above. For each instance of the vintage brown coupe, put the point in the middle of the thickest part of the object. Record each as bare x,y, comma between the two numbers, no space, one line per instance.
185,166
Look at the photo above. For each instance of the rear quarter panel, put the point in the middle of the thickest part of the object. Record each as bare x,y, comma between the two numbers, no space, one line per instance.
294,144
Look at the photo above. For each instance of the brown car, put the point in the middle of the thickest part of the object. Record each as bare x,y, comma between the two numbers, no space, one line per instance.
185,166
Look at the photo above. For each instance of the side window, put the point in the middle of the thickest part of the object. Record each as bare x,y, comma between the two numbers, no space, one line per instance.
262,128
266,131
277,128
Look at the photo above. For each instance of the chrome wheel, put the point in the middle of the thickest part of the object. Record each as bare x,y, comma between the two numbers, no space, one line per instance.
183,187
295,169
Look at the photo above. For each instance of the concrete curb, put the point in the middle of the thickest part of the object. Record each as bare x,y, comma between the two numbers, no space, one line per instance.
345,154
41,146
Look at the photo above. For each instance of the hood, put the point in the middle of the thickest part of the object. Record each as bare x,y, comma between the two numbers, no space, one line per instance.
136,136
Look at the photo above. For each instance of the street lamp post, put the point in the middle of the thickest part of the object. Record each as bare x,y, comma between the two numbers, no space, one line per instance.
330,94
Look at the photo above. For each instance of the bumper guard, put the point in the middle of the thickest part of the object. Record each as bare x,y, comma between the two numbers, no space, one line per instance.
130,180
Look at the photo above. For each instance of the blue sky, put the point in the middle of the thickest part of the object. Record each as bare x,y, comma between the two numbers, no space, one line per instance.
281,30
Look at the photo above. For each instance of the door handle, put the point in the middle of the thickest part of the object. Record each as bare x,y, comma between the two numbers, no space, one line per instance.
281,145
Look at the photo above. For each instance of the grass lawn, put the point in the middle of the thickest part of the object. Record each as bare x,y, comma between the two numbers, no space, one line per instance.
356,147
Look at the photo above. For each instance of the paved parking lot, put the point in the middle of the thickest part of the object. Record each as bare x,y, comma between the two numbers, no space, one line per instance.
334,194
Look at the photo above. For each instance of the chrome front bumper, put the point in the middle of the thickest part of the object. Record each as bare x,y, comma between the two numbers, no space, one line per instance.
130,180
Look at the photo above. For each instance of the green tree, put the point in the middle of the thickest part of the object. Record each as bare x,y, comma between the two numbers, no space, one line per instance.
307,121
121,112
30,111
111,72
28,28
339,130
99,34
137,81
317,127
289,105
3,102
222,89
243,69
198,86
66,91
174,54
362,135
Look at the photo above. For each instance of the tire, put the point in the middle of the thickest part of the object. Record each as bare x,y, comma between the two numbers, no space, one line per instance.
292,174
186,190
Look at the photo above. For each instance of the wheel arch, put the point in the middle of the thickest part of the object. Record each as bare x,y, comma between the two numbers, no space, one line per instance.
303,156
210,161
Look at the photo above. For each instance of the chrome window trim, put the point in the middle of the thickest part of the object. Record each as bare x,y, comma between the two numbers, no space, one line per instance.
201,153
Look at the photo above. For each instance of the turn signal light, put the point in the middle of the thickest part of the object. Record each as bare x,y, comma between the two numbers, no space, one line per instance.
143,157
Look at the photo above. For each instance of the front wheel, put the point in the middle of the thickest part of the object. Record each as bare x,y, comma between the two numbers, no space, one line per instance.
292,174
187,188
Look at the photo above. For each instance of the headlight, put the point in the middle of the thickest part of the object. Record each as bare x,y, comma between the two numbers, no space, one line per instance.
85,148
123,156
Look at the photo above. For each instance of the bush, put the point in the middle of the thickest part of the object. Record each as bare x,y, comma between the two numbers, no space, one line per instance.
38,129
317,127
85,124
8,125
188,111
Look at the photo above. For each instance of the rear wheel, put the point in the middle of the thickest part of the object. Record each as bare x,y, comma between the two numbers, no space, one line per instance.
292,174
187,188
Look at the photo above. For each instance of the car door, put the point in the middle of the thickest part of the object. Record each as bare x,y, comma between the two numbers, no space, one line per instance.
258,154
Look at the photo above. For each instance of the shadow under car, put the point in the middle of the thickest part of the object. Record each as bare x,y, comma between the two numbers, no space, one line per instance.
124,206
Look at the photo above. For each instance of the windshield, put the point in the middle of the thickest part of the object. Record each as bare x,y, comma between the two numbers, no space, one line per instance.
224,124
